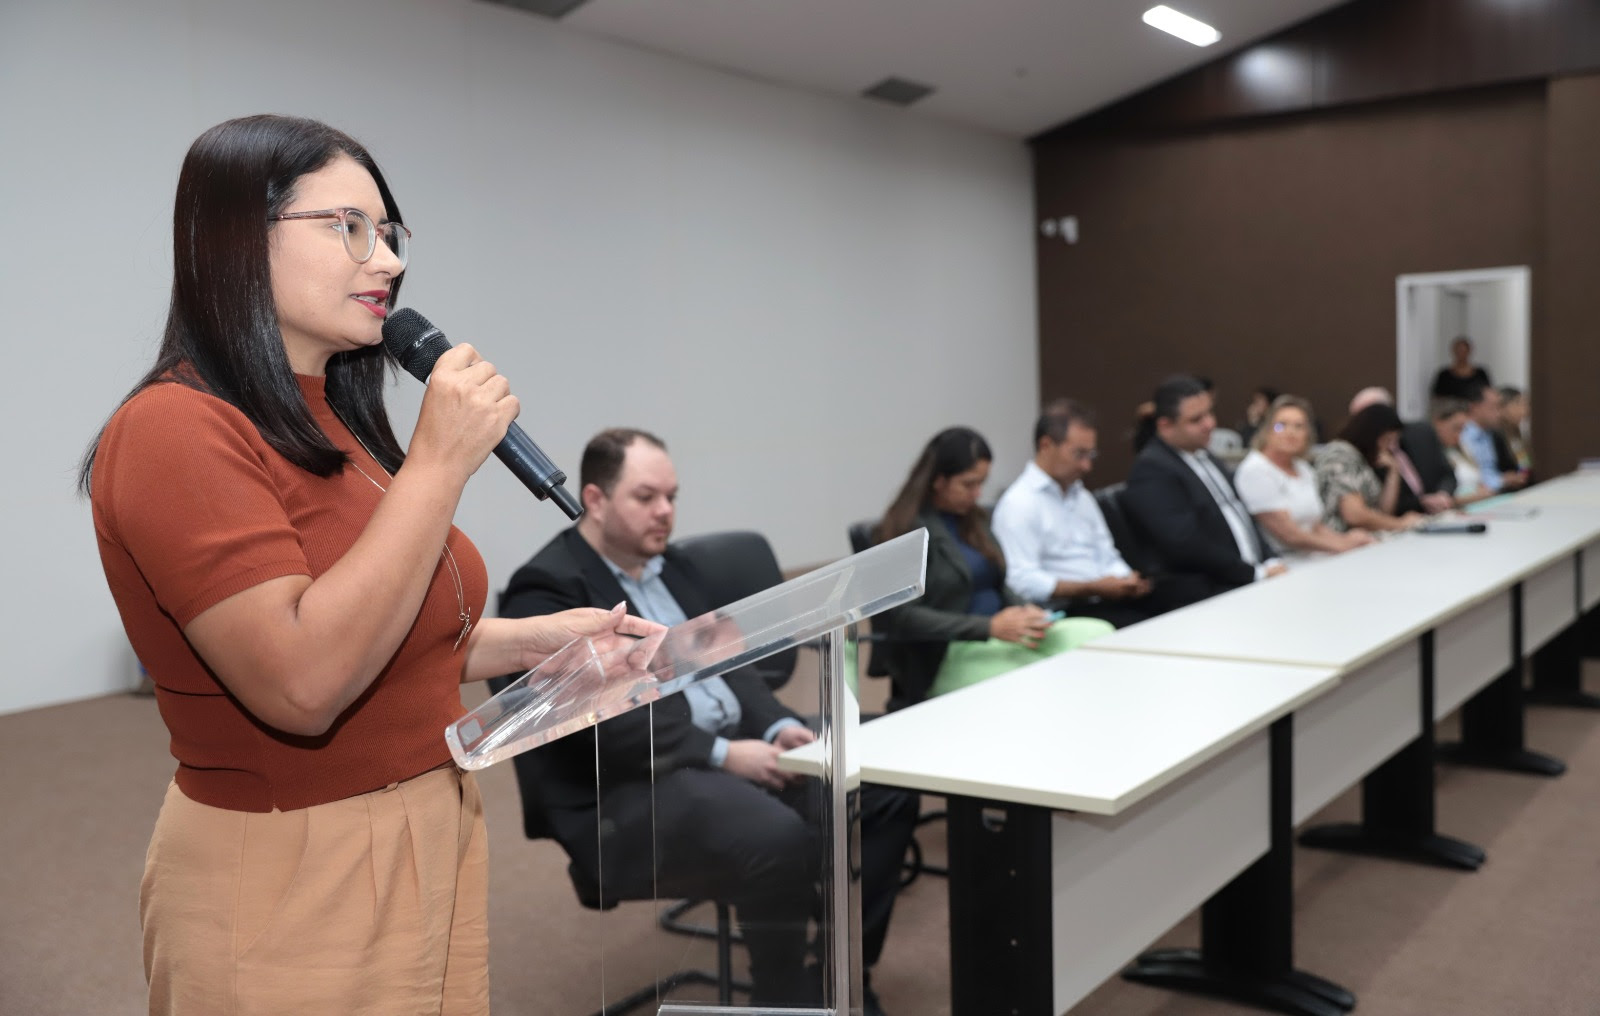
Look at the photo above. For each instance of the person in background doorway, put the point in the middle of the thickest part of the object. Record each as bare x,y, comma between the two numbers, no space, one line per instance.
1456,380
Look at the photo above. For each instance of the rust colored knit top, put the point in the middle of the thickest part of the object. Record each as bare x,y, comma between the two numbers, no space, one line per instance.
190,507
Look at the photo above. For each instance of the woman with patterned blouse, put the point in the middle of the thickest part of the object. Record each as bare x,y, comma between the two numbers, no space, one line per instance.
1356,476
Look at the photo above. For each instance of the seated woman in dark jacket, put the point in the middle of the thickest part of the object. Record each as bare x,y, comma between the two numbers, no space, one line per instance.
967,626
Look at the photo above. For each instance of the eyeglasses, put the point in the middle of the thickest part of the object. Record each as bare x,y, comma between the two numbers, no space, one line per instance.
1085,454
359,233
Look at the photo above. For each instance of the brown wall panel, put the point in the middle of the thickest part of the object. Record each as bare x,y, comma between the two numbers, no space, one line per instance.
1365,51
1266,252
1566,351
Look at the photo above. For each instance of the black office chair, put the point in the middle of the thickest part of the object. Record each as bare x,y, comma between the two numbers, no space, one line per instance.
1139,557
734,565
860,540
536,826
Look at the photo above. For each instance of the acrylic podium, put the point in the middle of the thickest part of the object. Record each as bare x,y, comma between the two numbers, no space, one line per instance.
588,682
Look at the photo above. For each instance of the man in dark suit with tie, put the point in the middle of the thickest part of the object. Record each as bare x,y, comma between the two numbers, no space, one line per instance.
707,813
1182,504
1424,443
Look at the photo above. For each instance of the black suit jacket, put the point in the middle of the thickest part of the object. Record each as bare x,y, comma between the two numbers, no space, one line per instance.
920,631
1174,514
569,573
1421,444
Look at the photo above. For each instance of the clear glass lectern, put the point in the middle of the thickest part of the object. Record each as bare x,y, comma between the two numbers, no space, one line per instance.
800,918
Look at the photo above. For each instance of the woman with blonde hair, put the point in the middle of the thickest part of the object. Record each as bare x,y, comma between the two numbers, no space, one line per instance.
1279,487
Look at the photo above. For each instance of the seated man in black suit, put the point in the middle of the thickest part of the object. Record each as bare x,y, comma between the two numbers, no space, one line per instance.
723,821
1182,504
1424,443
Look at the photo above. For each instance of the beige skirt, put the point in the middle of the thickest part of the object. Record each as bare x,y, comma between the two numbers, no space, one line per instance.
375,904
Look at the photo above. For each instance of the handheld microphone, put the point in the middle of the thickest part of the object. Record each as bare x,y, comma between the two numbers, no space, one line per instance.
417,343
1453,527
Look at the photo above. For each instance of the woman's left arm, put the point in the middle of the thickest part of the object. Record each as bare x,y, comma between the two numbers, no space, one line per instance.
509,645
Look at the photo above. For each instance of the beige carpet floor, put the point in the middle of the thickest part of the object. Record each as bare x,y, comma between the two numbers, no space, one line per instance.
84,782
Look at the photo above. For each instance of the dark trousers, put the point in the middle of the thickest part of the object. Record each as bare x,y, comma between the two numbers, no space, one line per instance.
718,836
1119,613
1180,589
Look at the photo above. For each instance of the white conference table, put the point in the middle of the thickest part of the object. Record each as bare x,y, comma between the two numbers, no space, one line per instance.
1487,599
1094,800
1578,489
1410,629
1346,611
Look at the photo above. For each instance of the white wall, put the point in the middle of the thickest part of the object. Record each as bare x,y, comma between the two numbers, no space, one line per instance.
795,291
1497,323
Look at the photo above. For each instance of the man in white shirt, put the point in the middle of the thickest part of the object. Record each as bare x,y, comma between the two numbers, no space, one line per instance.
1183,505
1057,545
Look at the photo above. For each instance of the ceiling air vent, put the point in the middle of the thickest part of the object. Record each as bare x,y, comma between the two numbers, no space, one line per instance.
547,8
898,91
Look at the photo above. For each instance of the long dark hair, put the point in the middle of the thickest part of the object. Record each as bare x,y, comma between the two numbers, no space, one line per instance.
950,453
1367,427
222,334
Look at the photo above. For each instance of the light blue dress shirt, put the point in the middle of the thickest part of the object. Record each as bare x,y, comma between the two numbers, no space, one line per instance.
713,707
1479,446
1048,535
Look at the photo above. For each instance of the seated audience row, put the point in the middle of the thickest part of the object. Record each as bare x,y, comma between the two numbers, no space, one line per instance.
700,768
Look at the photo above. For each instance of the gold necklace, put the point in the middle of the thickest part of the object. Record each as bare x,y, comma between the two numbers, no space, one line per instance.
463,612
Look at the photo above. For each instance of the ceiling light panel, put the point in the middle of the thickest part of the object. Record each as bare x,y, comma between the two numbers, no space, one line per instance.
1184,27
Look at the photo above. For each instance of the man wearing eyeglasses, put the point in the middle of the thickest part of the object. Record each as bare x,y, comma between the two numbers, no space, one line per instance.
1057,545
693,803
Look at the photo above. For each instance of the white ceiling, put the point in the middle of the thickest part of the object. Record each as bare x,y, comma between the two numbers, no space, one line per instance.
1015,67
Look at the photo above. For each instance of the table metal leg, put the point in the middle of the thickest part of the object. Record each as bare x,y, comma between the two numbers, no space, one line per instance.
1000,899
1397,801
1246,949
1558,669
1492,720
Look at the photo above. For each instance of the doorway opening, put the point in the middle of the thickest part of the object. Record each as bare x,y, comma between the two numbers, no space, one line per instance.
1489,306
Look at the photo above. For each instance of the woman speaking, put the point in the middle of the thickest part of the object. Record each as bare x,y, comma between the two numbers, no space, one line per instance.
293,584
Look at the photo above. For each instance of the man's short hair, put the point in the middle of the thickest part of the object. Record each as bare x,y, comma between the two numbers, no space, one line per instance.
1474,392
1171,393
605,452
1057,416
1510,393
1444,408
